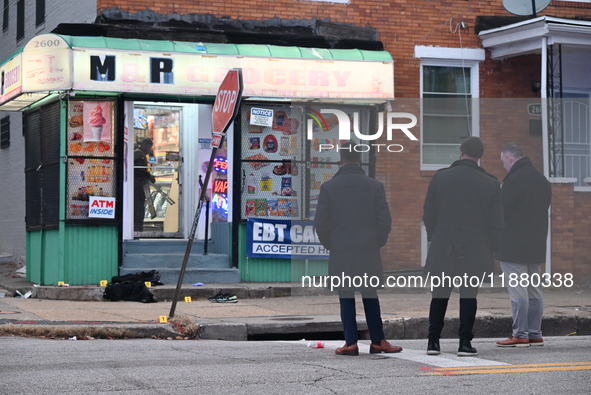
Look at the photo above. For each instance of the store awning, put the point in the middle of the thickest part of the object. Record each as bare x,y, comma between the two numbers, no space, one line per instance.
529,36
51,63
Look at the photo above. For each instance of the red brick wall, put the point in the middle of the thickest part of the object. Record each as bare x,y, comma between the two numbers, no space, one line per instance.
581,251
401,25
571,224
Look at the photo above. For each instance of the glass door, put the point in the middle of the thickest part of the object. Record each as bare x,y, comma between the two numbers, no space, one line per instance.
156,159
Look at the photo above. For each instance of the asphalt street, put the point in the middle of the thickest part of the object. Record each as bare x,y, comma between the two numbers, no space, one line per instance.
287,367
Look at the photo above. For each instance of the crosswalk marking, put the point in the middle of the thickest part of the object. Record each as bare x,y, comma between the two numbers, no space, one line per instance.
443,360
527,368
452,365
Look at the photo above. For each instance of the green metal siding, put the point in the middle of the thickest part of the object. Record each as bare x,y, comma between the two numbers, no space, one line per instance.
87,255
90,254
43,263
274,269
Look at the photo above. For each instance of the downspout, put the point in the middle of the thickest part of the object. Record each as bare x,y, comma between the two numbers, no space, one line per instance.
545,143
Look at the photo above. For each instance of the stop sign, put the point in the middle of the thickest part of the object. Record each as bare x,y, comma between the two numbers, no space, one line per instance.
227,102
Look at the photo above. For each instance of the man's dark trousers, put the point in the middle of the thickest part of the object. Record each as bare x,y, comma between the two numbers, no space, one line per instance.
371,306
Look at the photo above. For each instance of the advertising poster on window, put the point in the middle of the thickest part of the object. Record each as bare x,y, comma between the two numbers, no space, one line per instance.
97,121
268,238
91,164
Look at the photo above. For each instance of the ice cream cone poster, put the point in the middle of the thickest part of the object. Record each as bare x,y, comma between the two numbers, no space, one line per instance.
97,121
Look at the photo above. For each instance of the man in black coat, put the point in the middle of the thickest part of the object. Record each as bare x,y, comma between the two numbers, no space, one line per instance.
463,216
353,222
141,178
526,199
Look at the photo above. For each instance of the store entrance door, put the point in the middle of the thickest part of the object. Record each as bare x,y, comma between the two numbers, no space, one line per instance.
156,166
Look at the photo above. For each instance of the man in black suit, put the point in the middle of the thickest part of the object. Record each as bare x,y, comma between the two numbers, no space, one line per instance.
353,222
463,216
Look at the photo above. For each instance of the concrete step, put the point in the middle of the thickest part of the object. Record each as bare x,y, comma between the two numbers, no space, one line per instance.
174,261
164,246
192,275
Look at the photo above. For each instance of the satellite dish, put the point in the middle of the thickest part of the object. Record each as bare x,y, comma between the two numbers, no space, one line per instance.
525,7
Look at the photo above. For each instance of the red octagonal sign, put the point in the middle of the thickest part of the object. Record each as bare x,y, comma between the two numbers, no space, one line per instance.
226,104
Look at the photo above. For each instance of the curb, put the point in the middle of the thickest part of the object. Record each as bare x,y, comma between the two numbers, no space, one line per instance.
400,328
167,292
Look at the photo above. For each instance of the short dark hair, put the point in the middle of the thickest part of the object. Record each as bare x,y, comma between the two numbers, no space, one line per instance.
514,150
348,153
147,141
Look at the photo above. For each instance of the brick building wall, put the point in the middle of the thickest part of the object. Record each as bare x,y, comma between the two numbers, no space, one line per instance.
571,224
402,25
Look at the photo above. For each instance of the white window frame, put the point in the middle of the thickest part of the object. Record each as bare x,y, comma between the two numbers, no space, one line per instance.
452,57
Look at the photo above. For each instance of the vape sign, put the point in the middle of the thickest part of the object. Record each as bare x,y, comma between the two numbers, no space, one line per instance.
344,123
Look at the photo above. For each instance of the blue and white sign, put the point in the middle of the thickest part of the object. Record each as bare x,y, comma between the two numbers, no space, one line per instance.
267,238
261,117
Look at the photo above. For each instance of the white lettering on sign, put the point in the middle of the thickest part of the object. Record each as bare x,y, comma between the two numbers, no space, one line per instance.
264,231
262,112
226,100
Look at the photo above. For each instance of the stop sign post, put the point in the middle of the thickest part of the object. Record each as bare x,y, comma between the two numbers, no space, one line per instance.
225,108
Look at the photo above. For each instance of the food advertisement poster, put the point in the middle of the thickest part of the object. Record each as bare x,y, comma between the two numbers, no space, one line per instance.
97,121
91,165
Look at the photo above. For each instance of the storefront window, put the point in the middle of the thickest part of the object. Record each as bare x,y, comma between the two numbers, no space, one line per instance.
282,169
42,164
156,170
91,160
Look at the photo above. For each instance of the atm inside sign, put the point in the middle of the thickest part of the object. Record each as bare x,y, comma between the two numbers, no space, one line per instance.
101,207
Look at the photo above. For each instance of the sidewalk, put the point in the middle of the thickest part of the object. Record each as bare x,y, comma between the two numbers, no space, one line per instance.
273,311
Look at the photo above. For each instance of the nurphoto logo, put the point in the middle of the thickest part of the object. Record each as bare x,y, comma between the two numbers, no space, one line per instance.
344,124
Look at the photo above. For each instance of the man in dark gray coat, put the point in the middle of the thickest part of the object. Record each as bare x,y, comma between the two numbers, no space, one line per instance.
463,216
526,199
353,222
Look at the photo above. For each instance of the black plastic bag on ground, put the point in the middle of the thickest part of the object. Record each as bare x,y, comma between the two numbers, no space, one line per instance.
129,291
152,276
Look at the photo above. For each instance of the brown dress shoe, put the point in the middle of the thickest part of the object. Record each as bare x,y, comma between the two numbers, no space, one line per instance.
348,349
536,342
384,346
514,342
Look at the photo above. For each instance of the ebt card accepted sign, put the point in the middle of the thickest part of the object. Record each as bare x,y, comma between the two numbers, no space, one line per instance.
101,207
268,238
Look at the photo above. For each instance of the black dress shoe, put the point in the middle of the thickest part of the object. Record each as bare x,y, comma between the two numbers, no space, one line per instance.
433,347
466,349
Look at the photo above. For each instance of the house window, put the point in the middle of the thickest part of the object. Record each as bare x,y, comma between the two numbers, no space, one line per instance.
5,18
576,124
20,19
447,111
39,12
5,132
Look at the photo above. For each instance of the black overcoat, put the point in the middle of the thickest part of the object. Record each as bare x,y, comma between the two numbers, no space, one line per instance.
353,222
463,216
526,197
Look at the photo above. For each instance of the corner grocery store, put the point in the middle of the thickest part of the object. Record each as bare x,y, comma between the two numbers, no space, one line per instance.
163,90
